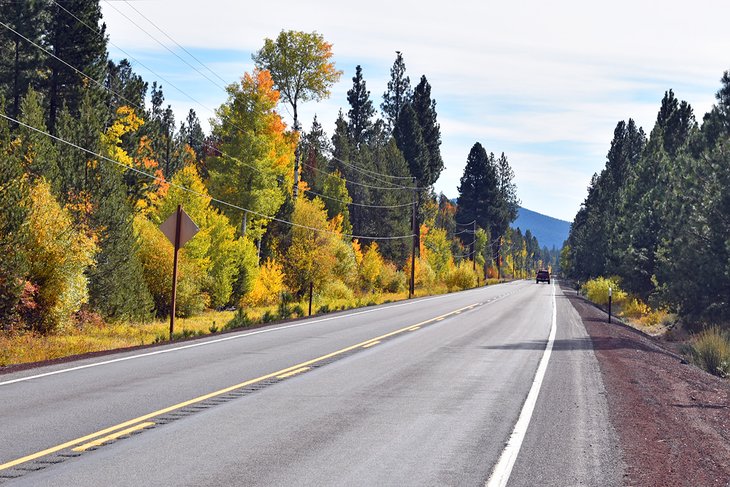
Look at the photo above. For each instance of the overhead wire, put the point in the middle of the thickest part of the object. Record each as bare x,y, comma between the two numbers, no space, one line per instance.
202,141
202,64
163,45
132,103
357,204
188,190
217,150
174,41
356,183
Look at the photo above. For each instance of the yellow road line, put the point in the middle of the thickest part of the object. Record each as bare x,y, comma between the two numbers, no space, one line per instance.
371,344
113,436
219,392
414,328
293,372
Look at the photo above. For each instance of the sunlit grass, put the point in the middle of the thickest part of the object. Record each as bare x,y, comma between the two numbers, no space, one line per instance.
24,347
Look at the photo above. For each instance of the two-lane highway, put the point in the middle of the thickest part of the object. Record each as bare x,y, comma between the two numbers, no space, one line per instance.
426,391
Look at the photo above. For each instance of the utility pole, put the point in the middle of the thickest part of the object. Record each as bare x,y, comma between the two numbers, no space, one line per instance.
412,288
473,244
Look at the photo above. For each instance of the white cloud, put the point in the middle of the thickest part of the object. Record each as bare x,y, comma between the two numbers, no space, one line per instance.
546,82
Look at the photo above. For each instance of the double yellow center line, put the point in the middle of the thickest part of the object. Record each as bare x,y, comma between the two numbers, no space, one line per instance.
127,427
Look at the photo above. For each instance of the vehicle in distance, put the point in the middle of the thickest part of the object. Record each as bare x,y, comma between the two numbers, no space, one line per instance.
543,276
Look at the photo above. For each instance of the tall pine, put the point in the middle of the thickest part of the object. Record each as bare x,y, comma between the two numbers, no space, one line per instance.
73,43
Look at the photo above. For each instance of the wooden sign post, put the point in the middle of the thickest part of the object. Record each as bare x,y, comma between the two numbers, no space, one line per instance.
178,228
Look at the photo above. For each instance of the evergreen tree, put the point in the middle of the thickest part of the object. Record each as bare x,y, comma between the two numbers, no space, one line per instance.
425,109
96,191
125,87
642,216
361,109
191,133
80,47
38,149
398,94
19,59
388,159
485,193
13,230
160,128
409,138
315,149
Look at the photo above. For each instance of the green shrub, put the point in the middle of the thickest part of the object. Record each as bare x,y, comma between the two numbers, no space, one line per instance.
711,351
325,308
240,320
269,316
336,289
391,280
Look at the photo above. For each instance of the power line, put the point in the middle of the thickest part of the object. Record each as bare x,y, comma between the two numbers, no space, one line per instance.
357,204
174,41
356,183
357,168
164,46
206,144
203,141
188,190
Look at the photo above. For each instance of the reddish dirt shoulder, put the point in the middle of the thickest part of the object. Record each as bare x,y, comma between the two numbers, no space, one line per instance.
673,419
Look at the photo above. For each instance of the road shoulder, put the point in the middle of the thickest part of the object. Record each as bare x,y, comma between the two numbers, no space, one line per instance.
673,419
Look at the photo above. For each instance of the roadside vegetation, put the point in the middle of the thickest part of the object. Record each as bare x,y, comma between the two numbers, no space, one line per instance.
708,348
657,218
92,162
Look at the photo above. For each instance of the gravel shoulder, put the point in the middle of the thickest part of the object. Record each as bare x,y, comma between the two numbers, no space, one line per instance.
672,418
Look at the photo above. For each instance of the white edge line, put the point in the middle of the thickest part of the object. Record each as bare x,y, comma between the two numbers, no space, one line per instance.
502,471
218,340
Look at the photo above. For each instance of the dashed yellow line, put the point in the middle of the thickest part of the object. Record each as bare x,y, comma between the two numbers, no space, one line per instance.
113,436
141,421
293,372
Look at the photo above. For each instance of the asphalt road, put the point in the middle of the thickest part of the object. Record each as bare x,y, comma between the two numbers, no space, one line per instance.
423,392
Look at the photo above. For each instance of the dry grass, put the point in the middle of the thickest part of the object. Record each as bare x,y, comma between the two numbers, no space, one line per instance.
25,347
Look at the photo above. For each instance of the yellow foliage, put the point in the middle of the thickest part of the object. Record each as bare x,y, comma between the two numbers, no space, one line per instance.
597,290
59,255
356,248
461,277
267,287
370,267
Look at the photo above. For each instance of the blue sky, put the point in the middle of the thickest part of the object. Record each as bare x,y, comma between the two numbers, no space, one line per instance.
543,82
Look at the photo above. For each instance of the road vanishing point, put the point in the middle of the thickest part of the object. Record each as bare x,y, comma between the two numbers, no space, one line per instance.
493,386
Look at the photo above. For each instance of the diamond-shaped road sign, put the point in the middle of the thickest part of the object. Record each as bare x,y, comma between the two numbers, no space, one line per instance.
188,228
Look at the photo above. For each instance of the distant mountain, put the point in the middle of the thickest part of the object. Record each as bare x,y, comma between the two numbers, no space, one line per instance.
550,232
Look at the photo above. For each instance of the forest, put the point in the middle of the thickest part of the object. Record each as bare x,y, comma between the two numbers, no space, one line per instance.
657,217
93,161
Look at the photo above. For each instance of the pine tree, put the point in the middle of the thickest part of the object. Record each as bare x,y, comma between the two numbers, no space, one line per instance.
361,109
425,109
13,231
409,138
97,191
80,47
399,92
125,86
191,133
19,59
479,194
40,153
315,149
